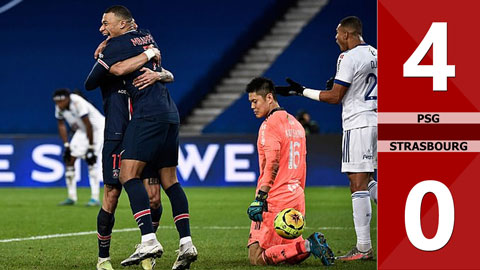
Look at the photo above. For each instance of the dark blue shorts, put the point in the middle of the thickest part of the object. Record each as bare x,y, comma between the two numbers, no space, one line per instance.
152,141
111,159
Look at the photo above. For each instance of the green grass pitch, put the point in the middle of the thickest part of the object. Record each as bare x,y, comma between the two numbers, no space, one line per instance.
218,219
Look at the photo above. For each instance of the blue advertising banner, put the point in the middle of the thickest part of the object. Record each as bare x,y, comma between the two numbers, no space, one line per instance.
36,161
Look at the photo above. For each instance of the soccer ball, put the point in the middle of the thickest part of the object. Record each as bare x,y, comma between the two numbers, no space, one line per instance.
289,223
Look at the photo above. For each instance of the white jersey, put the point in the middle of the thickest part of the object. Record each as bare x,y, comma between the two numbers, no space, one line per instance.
357,69
77,109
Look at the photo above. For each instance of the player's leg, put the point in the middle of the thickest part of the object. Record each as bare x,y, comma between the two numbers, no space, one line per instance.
94,172
372,189
265,245
358,163
105,223
70,182
77,146
181,217
141,142
167,161
112,190
152,185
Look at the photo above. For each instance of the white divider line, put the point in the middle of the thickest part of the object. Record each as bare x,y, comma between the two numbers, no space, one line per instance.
58,235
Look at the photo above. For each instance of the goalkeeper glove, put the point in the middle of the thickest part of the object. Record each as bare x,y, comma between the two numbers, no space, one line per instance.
67,153
329,83
293,88
90,156
257,207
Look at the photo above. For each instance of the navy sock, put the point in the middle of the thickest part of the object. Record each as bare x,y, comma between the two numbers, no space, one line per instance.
156,214
179,209
140,204
105,222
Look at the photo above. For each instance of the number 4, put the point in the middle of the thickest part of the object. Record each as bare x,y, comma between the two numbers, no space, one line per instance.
440,71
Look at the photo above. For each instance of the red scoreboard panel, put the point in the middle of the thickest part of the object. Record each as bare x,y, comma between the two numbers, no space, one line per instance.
429,134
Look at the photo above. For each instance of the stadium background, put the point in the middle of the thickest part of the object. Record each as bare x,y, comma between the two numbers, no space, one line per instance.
49,44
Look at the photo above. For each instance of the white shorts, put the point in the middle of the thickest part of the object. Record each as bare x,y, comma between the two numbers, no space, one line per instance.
79,144
359,150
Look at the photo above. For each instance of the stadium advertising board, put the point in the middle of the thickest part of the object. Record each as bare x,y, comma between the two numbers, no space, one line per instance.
203,161
428,134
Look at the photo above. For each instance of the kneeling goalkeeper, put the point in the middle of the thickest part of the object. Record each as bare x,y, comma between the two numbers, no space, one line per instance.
282,157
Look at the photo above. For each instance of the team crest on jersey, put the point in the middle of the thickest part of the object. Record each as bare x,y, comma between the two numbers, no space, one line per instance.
290,121
115,173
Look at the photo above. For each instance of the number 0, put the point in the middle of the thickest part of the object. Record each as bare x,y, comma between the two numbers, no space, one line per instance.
446,215
440,71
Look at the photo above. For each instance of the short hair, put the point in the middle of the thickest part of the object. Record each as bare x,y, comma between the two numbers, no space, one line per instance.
120,11
261,86
352,23
61,94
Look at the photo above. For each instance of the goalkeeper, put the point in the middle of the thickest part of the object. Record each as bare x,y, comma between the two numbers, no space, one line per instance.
281,152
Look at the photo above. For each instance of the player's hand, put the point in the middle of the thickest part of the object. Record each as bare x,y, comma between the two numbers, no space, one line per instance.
100,48
329,83
90,156
292,89
67,153
148,78
258,206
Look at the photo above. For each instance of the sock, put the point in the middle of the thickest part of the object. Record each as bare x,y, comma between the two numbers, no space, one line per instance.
105,222
282,253
94,182
362,213
179,203
140,205
156,215
71,183
372,189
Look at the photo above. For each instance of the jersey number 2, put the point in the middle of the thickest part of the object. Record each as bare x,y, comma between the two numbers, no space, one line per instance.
372,85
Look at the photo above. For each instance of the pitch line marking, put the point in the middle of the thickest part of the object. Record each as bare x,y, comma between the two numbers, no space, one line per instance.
59,235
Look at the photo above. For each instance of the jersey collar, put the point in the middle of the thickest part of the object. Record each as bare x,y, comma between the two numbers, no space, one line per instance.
275,110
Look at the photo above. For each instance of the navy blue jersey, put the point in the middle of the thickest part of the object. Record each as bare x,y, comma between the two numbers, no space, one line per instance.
115,106
154,100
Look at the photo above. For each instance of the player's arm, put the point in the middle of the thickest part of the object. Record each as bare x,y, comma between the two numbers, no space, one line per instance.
62,131
89,127
134,63
96,75
333,96
272,164
149,77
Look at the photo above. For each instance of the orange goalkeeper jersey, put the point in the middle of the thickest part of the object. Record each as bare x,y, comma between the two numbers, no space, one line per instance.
281,137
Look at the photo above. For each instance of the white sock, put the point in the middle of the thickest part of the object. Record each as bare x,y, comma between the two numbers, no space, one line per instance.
185,240
372,189
148,237
71,183
362,214
307,245
94,183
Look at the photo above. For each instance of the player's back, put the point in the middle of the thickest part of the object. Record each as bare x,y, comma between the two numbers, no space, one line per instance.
78,108
282,130
115,107
154,100
358,67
